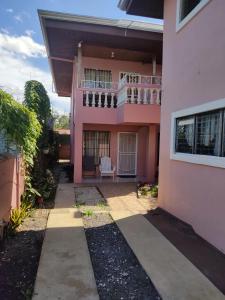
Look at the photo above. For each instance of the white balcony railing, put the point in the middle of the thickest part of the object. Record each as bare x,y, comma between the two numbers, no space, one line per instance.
91,84
132,88
99,99
137,79
139,95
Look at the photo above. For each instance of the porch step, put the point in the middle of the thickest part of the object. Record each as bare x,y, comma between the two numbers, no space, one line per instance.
173,275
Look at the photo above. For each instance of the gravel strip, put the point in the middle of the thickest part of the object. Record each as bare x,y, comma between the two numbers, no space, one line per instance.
117,271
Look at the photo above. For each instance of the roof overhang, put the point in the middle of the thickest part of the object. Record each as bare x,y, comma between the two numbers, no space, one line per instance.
145,8
63,32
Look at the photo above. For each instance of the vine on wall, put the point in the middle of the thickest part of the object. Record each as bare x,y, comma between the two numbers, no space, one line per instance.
20,125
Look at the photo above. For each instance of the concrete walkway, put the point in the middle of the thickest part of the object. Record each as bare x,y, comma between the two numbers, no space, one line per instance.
65,270
175,277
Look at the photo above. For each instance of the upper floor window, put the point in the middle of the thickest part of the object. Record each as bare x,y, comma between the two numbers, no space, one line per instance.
94,78
187,6
187,9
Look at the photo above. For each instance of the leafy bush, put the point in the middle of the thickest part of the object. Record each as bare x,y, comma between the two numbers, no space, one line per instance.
44,183
154,191
20,126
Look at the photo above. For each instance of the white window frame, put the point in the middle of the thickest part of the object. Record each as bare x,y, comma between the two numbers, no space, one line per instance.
181,23
213,161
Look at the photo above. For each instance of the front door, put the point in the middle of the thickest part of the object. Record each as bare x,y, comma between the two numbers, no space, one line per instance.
127,154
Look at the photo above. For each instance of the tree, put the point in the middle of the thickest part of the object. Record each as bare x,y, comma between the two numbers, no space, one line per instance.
61,122
37,100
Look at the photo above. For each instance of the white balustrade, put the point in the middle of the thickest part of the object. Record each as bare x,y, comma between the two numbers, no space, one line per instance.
133,89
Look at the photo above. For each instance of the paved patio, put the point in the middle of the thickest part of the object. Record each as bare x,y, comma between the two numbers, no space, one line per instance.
123,196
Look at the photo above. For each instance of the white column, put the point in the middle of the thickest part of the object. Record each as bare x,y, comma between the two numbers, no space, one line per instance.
132,95
139,96
93,99
99,99
151,97
105,103
87,100
145,96
158,98
112,99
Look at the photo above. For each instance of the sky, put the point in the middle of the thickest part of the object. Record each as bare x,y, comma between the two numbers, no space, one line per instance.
22,51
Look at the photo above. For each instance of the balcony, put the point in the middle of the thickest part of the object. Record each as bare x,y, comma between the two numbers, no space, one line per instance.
99,93
131,89
139,89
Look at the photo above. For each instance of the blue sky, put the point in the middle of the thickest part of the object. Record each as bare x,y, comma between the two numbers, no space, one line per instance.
22,52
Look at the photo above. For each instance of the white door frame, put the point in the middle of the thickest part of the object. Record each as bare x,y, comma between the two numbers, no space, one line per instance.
118,147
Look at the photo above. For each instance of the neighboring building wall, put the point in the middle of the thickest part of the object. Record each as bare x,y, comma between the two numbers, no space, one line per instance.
11,185
193,74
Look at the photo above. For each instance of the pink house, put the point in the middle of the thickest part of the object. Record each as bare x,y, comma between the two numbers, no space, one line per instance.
111,69
192,139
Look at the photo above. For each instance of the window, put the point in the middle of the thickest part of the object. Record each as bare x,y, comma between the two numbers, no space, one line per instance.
202,133
187,9
187,6
208,133
96,144
185,135
97,78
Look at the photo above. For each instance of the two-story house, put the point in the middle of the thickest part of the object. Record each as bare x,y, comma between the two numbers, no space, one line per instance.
111,69
192,152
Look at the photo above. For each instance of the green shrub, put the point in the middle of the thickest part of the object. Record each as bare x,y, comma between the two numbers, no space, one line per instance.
88,213
16,219
154,191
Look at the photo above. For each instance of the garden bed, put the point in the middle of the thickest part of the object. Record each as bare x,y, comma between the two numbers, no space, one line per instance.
117,271
19,257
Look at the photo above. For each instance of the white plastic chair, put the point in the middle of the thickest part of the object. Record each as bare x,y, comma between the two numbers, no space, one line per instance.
105,167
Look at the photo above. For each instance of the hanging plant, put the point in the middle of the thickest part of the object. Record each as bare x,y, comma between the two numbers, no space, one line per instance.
19,125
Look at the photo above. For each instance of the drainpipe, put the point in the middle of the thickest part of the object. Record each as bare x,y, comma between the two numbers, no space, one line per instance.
154,65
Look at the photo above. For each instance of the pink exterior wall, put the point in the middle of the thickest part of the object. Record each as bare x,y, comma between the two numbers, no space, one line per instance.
117,66
134,115
145,138
193,73
11,185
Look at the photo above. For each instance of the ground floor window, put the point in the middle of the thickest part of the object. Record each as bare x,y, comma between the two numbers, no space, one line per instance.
201,133
96,144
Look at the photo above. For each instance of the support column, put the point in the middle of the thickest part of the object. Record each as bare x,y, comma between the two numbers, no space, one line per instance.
78,141
152,153
79,64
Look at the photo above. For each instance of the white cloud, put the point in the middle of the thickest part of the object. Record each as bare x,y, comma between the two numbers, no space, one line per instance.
23,45
29,32
15,70
18,18
4,30
9,10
